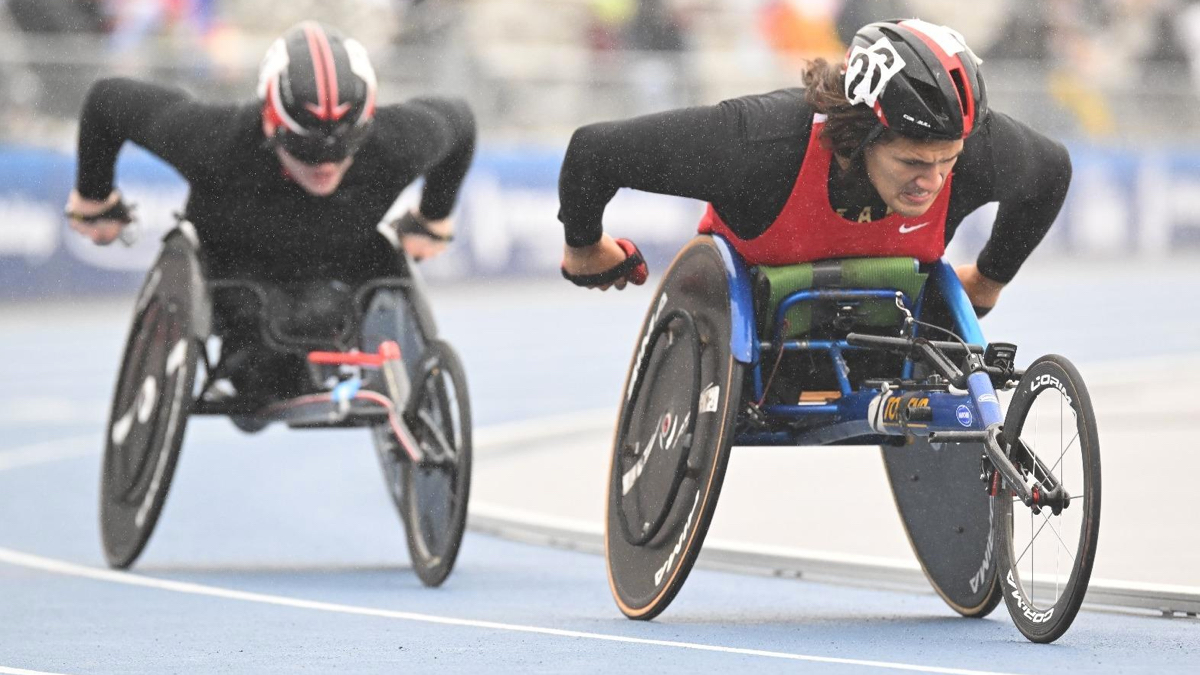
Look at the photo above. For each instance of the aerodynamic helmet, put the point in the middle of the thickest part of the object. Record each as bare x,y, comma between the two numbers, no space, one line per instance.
921,79
318,88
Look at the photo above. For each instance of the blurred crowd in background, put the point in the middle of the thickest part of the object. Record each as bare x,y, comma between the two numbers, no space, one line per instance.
1119,71
1117,80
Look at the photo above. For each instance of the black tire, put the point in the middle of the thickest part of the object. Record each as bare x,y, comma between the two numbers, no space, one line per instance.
432,497
1046,558
148,416
435,510
680,398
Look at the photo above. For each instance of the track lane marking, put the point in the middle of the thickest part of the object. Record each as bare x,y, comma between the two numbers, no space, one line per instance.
52,565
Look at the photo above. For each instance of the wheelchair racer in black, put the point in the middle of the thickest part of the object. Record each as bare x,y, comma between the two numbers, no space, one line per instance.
289,189
911,146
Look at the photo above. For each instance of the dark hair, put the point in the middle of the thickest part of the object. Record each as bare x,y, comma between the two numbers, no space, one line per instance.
846,126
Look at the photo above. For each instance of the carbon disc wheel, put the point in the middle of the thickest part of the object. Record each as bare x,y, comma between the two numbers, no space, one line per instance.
147,420
948,518
673,436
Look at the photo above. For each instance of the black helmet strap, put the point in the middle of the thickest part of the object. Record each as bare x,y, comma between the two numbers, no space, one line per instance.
867,140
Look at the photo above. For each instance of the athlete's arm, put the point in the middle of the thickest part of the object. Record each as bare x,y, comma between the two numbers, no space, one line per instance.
164,120
434,137
740,155
444,178
1028,174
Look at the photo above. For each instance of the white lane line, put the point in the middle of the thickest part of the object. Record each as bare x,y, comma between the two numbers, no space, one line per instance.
51,451
62,567
4,670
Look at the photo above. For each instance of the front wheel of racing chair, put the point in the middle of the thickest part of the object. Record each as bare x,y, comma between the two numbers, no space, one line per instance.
431,496
1046,548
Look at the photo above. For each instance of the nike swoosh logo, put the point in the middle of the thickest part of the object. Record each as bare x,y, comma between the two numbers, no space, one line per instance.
905,229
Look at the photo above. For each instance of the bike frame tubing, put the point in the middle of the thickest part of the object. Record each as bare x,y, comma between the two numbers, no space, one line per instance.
873,412
857,413
743,335
943,278
834,348
274,337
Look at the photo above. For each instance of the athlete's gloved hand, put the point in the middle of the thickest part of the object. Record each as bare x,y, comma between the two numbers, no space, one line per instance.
423,238
102,221
982,291
608,262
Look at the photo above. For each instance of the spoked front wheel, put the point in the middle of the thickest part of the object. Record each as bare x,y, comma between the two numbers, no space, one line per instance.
1046,548
432,496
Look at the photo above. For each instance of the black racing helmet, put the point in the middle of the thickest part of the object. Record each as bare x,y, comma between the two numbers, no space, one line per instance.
921,79
318,88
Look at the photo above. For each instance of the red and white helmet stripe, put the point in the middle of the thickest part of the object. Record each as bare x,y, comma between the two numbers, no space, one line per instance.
950,48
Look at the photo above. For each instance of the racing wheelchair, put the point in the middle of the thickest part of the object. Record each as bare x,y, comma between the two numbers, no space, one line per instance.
348,371
881,351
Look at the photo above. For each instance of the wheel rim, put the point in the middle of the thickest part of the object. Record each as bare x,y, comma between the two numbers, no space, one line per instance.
1045,545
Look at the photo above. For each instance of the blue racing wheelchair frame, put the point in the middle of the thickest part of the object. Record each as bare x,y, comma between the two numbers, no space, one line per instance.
941,409
865,412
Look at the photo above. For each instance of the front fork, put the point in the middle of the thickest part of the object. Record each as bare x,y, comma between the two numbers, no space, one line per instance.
397,388
1000,463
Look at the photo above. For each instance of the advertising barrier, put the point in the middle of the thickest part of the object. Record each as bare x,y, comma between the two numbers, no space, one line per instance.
1122,203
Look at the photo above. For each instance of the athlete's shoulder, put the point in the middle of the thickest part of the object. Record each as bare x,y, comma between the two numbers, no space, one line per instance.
1000,130
420,130
431,110
163,106
774,115
1007,159
1003,139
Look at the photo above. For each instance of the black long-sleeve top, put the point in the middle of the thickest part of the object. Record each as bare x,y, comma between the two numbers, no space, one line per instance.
743,156
252,219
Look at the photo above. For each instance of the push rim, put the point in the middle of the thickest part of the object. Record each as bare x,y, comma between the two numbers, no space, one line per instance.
633,459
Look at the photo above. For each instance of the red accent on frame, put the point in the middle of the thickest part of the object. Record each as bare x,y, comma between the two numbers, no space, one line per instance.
388,351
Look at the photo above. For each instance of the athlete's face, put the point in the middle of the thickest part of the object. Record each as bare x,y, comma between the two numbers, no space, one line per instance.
320,180
908,174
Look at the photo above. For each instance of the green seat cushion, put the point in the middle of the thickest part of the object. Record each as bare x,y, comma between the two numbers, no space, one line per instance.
776,283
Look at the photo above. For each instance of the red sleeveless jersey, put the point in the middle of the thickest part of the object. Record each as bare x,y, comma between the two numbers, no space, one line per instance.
808,228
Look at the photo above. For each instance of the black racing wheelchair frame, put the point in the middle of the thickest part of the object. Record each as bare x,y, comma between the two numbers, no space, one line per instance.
414,401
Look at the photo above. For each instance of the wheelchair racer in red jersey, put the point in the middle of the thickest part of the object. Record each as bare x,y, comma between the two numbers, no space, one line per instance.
882,155
290,188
